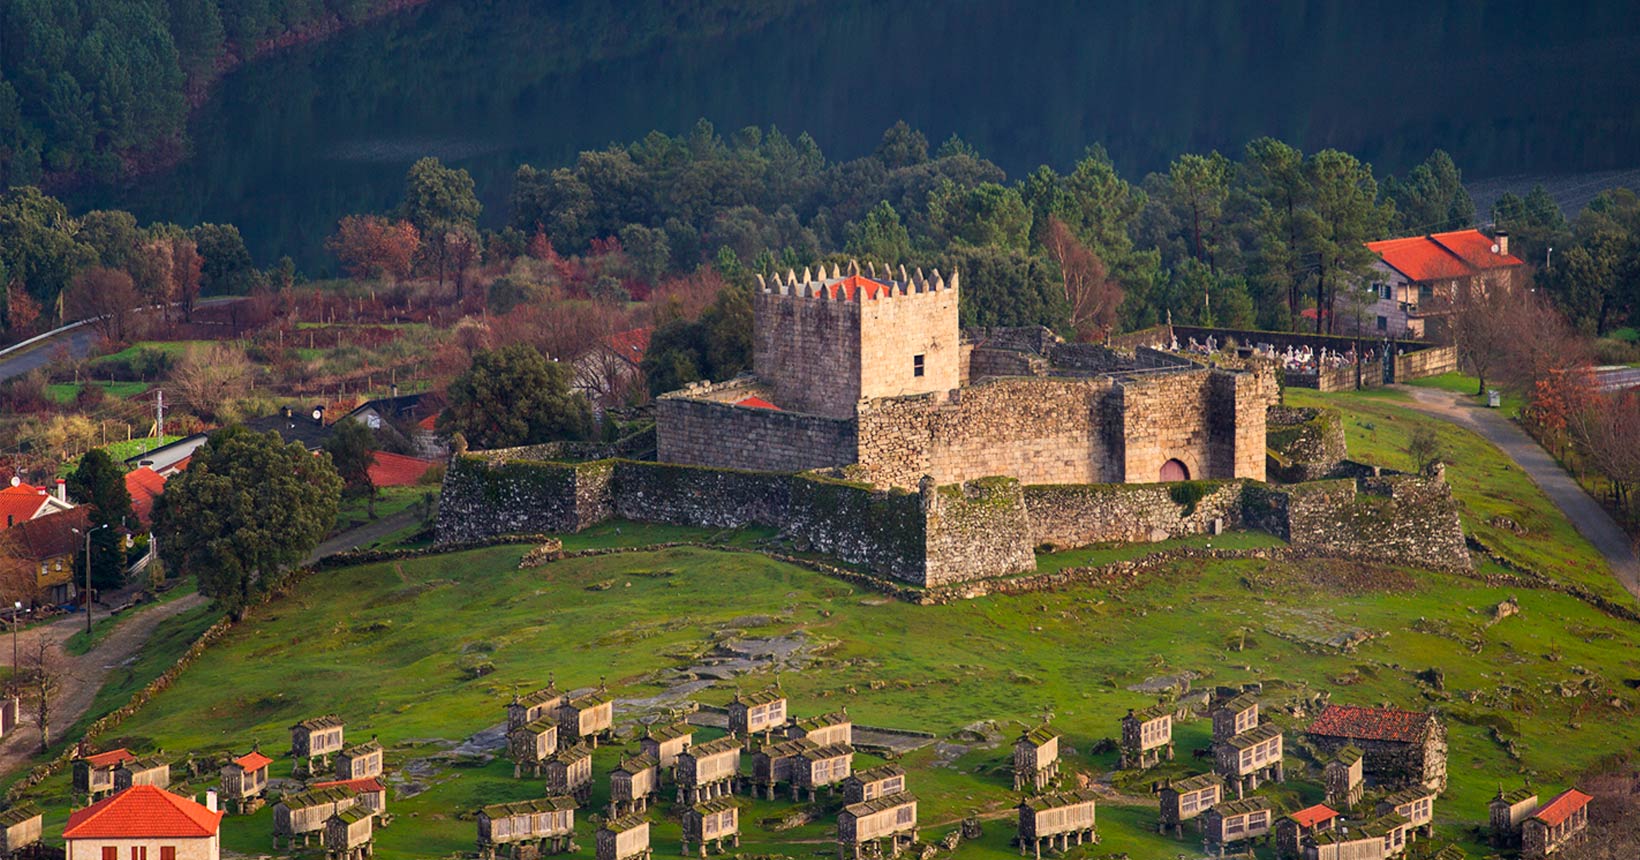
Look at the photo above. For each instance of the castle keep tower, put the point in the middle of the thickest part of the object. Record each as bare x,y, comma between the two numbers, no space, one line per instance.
824,343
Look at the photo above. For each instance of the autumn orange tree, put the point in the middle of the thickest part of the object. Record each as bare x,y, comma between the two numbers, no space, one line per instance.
1091,294
369,246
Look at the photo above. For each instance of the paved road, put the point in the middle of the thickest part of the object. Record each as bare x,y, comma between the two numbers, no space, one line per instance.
79,341
1586,514
366,534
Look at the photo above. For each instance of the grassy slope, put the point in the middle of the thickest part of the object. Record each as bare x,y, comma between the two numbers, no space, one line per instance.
65,392
1467,386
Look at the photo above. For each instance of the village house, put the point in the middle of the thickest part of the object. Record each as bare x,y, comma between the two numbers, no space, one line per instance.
147,770
315,738
1562,822
360,761
870,784
632,783
544,825
405,422
1234,715
712,821
569,771
1292,828
821,767
1249,758
892,817
607,372
832,728
368,793
19,828
244,779
1036,758
1344,778
37,557
1416,805
1237,820
708,770
1146,734
145,821
1507,812
622,838
763,711
1185,799
772,765
22,502
1062,820
1398,747
144,486
540,705
532,744
348,834
304,813
665,742
1416,279
94,773
587,717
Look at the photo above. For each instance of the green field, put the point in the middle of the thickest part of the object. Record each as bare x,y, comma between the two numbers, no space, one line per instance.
65,392
424,653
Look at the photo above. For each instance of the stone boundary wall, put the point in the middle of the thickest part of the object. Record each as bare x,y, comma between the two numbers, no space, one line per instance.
1406,519
978,528
1422,363
1304,444
1074,515
704,432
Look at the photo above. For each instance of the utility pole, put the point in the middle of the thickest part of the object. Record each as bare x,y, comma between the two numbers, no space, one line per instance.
159,422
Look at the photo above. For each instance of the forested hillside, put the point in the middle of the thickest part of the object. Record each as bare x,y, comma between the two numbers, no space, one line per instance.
96,87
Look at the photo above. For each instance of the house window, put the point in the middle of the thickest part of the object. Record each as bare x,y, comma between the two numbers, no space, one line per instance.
109,852
916,365
1383,323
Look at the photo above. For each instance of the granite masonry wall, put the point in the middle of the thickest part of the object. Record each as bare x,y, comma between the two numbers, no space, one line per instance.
1425,362
976,529
1073,515
807,349
695,430
1304,444
1406,519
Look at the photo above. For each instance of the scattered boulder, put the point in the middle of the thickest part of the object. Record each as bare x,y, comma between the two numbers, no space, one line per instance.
1509,525
1504,610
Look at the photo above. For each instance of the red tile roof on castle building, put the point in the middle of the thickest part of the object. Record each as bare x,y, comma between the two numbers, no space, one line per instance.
143,812
1311,816
111,758
144,485
1561,807
253,760
755,402
1442,256
1373,724
396,470
21,503
358,786
849,286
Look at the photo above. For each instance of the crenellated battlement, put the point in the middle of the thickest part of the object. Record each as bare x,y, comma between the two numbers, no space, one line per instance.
854,286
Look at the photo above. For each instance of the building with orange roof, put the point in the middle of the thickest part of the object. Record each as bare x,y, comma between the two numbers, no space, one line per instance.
244,779
144,485
369,791
38,566
1293,827
1416,279
1562,822
396,470
22,502
145,821
1399,748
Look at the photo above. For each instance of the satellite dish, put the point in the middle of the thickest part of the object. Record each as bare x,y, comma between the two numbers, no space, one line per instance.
1494,247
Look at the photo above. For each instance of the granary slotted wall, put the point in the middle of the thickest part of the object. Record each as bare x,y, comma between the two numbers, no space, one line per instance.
696,431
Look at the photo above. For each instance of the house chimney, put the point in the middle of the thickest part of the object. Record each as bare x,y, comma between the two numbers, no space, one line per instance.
62,490
395,389
284,411
210,800
1501,239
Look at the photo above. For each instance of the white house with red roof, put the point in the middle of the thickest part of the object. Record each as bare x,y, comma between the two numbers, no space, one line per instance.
607,372
22,502
1417,276
145,822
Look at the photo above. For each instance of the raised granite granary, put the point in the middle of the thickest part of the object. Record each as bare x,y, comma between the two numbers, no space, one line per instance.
632,783
873,783
1344,778
763,711
1399,748
1146,736
1249,758
1036,758
1237,820
541,704
866,824
623,838
1184,799
1063,820
546,825
1562,822
244,779
715,821
833,728
1507,812
587,717
665,742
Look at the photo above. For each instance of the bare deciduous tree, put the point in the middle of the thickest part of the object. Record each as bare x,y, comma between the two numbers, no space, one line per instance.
209,377
108,299
1091,295
43,672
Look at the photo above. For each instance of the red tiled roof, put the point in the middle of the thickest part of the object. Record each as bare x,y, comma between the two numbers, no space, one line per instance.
757,403
20,504
143,812
1373,724
359,786
1441,256
181,464
396,470
1311,816
1562,807
253,760
49,536
630,345
430,423
144,485
852,284
110,758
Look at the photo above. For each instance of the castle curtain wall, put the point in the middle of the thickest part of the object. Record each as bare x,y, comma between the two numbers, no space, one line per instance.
700,432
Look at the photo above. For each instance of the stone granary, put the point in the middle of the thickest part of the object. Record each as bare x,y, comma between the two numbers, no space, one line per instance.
304,813
315,738
368,793
1345,843
622,838
569,771
1248,759
348,834
820,767
1558,824
1416,805
1036,758
545,826
1062,820
1293,827
772,765
763,711
587,717
832,728
148,770
1185,799
632,783
1399,748
1234,715
870,784
531,744
1344,778
19,828
1507,812
708,770
862,827
665,742
244,779
94,773
541,704
1236,820
1146,736
714,821
360,761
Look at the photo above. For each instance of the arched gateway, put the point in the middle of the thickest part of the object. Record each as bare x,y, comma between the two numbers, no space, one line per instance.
1175,470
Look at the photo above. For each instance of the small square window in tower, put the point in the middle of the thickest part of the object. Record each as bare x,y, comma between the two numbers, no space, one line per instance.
916,365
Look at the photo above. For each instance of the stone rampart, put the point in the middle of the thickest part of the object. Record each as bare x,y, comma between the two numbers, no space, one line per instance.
1398,519
1304,444
976,529
1074,515
702,432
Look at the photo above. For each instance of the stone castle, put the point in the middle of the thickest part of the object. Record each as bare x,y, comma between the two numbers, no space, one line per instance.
872,428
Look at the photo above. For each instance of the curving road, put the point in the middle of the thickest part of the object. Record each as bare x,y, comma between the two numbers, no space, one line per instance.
80,341
1586,514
